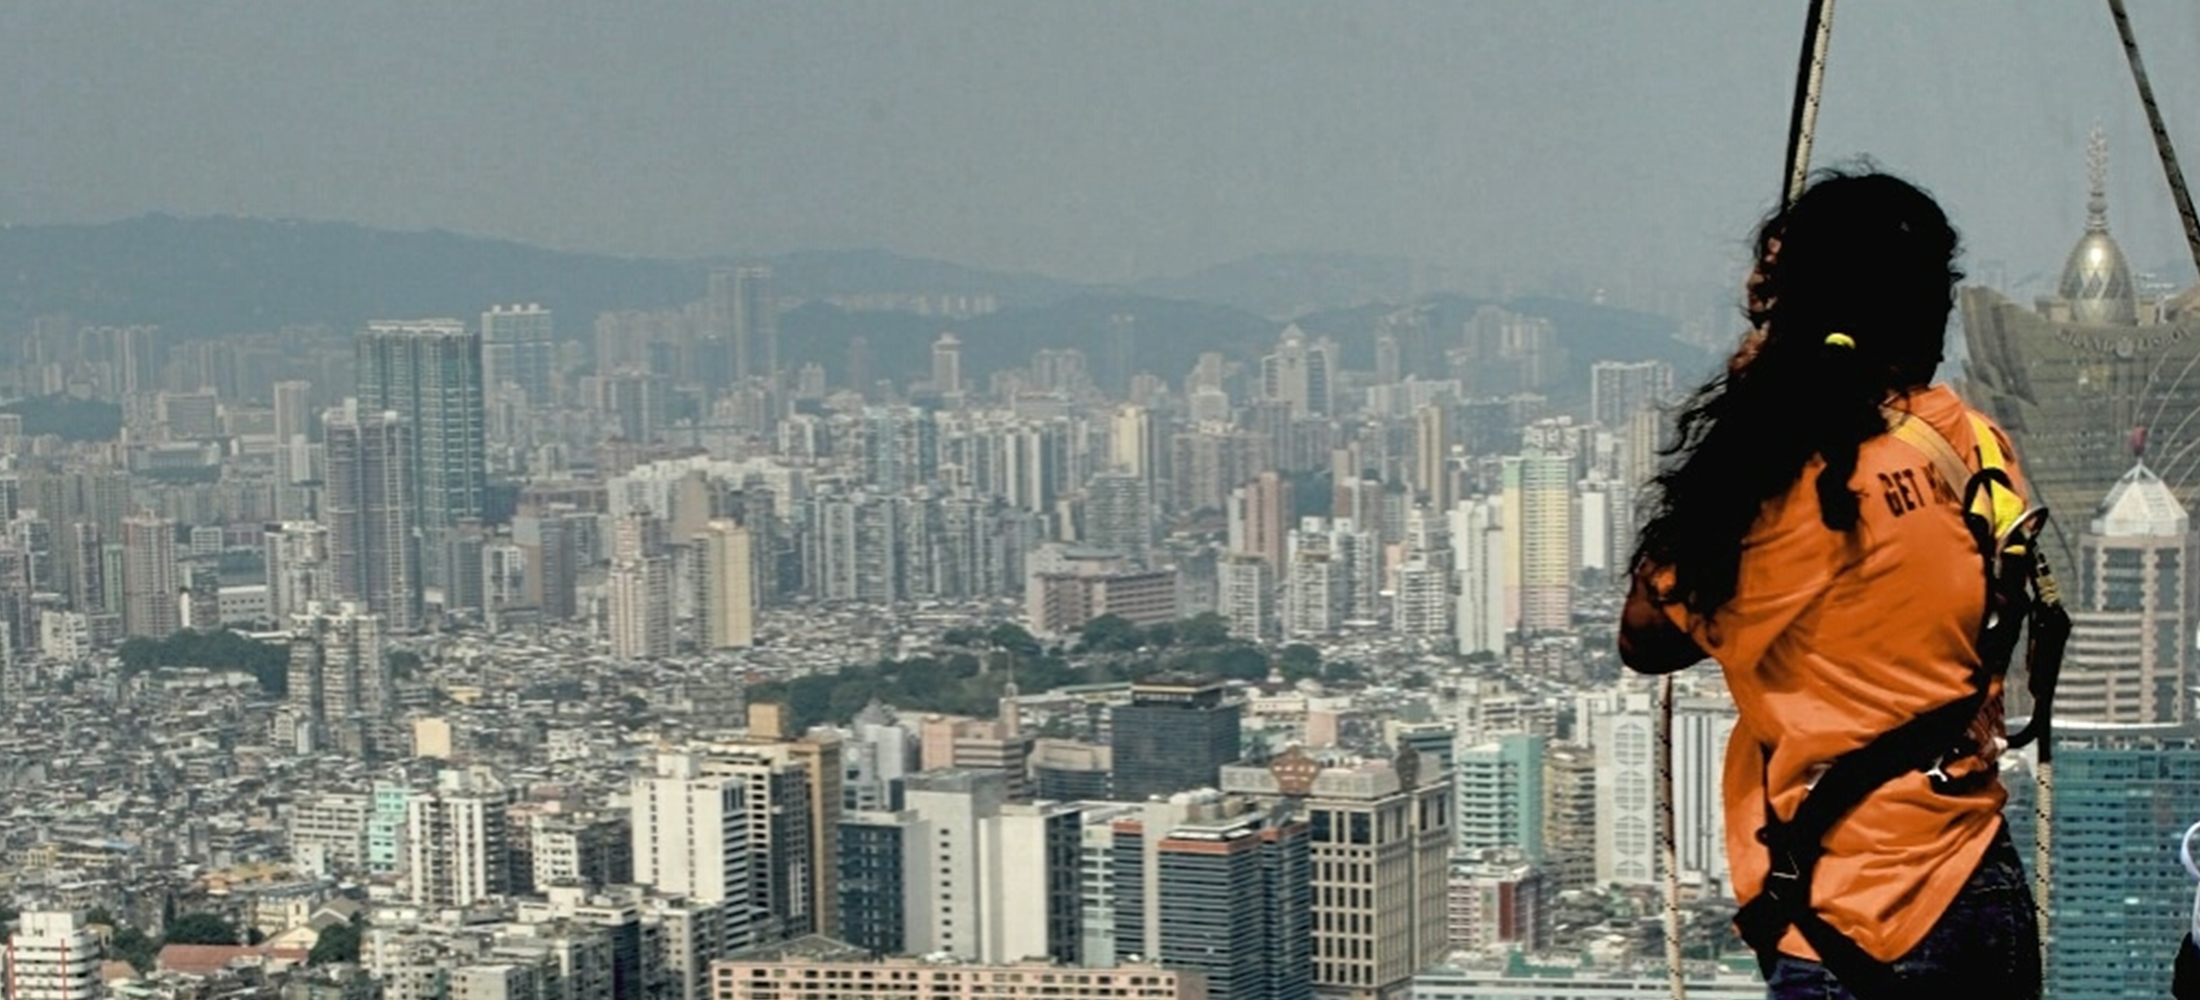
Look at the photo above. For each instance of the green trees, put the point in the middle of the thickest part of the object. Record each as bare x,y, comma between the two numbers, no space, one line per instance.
126,942
267,662
1110,633
336,944
202,928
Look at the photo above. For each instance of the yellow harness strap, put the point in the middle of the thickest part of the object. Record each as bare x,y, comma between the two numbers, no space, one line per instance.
1999,505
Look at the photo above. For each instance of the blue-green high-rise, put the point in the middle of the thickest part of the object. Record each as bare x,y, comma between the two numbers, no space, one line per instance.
428,372
2119,901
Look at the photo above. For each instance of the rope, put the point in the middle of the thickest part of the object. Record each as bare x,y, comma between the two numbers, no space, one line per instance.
1810,79
2043,841
2162,145
1669,839
2175,175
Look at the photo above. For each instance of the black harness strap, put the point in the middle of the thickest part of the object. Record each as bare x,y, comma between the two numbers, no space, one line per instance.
1796,845
1924,744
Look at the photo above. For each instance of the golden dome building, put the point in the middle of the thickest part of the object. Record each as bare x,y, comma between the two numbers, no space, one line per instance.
2078,375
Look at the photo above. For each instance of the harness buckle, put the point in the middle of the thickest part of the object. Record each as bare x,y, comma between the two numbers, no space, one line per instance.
1785,877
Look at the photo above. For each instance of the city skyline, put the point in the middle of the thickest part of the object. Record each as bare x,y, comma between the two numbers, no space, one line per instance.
393,615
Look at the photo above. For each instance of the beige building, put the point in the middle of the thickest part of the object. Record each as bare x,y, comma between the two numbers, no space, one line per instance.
432,737
1382,837
792,800
641,609
725,611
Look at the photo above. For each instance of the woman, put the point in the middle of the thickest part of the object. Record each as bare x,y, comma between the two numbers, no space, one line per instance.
1825,564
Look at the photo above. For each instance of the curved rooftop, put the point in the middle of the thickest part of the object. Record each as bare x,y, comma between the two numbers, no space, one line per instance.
2096,280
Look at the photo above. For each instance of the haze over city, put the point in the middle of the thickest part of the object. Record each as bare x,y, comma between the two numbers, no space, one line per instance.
1097,143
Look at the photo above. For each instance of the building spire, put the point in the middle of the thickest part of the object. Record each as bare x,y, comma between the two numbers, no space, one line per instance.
2096,168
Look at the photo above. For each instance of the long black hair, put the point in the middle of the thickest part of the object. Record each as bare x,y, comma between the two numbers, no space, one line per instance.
1852,292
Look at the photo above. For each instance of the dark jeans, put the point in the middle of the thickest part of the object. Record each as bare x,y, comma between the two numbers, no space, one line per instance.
1986,945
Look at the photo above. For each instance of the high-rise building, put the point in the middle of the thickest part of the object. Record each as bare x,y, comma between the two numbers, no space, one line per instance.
691,834
1297,375
1119,355
151,581
1624,740
1175,735
998,880
879,853
725,601
1332,576
339,674
1432,439
465,547
2130,657
1501,800
53,955
519,347
293,433
1134,445
1626,817
741,308
457,841
428,372
1246,597
1539,499
1382,839
2117,900
1120,516
328,831
1316,593
553,553
641,608
1235,903
792,795
1618,390
1422,604
1209,883
1569,816
2071,378
1480,545
947,373
587,849
1031,882
87,569
369,510
299,571
293,405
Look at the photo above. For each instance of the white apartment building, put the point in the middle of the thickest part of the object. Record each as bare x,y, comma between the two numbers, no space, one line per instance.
53,956
691,833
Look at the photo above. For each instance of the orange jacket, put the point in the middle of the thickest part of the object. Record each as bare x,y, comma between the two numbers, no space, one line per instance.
1833,639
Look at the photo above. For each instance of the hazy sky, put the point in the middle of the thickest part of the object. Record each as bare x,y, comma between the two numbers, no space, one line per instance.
1622,140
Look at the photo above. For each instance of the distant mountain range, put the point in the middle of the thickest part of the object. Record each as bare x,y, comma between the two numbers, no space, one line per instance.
201,277
1285,285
